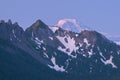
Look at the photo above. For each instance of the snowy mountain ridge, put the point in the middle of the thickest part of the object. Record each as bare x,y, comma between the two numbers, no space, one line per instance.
56,52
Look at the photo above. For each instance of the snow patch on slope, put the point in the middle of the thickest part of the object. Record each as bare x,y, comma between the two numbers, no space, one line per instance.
90,53
14,33
109,61
118,43
69,45
102,55
51,38
86,41
54,28
38,42
56,67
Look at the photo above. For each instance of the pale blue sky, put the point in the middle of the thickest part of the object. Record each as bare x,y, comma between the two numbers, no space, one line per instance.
101,15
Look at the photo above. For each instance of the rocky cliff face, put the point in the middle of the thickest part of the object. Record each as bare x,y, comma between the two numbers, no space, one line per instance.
52,53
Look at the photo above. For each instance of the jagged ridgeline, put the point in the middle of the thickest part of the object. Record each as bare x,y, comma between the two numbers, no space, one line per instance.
43,52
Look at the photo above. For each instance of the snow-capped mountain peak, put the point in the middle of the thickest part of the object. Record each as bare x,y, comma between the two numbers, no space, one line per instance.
70,25
63,21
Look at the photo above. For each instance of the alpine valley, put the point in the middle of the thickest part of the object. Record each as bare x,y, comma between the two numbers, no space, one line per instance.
43,52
